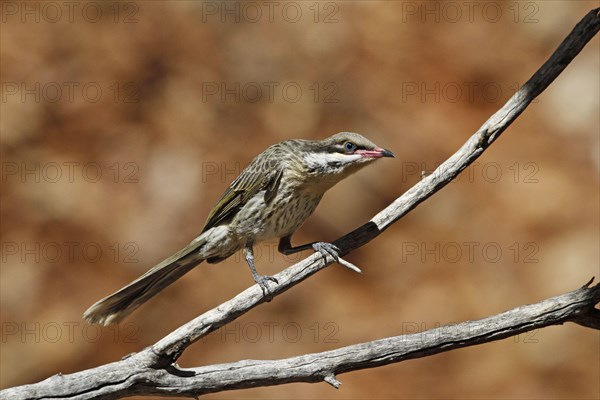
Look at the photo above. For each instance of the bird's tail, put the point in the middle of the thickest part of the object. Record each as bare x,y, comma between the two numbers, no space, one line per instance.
115,307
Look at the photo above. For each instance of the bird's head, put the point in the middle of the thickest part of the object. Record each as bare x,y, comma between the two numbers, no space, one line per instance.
332,159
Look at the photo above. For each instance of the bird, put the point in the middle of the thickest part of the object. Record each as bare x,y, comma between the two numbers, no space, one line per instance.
270,199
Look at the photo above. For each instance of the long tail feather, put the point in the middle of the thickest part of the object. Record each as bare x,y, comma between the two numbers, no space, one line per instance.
115,307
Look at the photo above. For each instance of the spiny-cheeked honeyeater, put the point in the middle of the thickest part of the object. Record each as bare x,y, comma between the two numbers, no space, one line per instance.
271,198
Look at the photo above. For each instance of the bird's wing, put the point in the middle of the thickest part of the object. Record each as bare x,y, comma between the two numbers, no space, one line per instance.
261,174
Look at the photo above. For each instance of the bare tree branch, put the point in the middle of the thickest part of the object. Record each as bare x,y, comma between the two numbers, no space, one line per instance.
138,375
584,31
152,371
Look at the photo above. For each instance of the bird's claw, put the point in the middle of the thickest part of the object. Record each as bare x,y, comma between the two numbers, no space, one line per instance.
263,282
328,249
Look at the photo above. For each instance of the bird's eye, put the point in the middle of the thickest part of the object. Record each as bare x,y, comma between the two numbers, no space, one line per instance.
349,147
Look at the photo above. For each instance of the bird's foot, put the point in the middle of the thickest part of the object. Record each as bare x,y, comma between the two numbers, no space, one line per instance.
263,282
331,250
327,249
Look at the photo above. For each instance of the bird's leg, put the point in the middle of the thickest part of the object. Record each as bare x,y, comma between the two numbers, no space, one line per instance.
261,280
326,249
323,248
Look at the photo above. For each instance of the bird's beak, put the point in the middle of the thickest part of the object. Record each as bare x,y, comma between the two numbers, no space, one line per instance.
375,153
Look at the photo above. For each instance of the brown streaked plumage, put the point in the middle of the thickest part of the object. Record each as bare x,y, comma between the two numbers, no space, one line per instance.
271,198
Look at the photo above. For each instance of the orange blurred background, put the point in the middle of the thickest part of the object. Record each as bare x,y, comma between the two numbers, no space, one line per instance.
122,123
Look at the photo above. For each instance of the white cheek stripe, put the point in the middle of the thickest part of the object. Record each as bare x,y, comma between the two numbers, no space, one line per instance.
322,160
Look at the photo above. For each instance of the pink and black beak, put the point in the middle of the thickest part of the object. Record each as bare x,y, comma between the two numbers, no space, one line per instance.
375,153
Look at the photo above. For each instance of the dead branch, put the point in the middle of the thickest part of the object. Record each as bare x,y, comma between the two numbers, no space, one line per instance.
139,374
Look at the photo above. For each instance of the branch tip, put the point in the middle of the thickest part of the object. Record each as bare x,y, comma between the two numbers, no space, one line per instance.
349,265
587,285
332,380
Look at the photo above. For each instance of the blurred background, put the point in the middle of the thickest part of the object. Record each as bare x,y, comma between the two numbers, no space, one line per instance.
122,124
